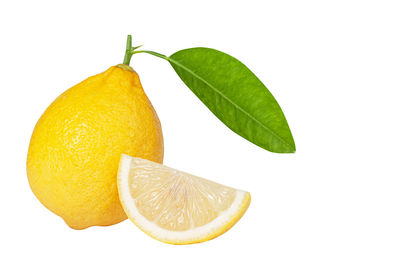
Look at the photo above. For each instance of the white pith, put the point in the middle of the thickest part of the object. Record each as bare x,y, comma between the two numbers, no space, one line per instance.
198,233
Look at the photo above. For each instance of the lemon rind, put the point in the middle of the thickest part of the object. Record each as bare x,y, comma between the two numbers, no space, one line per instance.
216,227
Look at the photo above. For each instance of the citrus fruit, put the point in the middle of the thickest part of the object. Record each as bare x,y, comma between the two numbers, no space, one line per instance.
76,145
176,207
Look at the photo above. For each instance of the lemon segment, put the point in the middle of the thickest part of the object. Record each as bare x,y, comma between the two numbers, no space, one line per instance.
176,207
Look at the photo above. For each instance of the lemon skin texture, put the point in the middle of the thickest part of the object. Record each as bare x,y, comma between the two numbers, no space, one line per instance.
76,145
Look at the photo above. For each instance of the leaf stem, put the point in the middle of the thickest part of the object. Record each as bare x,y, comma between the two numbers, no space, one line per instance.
152,53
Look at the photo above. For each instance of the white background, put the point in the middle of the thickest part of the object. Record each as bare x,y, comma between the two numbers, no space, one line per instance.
332,65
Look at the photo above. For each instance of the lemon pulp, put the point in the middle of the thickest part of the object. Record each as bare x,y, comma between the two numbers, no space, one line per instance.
177,207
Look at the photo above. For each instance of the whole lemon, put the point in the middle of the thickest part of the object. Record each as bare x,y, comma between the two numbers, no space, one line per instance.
76,145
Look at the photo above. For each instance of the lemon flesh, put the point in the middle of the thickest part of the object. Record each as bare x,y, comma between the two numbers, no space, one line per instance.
176,207
76,145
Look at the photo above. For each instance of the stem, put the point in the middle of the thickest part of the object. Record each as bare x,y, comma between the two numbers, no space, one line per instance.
128,51
152,53
131,50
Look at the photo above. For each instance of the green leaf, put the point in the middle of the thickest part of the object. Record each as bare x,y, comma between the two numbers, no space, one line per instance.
236,96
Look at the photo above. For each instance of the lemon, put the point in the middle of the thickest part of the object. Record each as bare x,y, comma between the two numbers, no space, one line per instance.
74,151
176,207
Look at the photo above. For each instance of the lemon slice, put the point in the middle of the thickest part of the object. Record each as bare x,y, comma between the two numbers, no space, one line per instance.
176,207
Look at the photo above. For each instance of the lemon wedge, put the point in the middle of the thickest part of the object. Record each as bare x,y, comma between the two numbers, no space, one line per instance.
176,207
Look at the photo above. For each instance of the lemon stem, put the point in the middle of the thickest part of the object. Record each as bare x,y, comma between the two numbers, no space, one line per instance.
132,50
128,51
